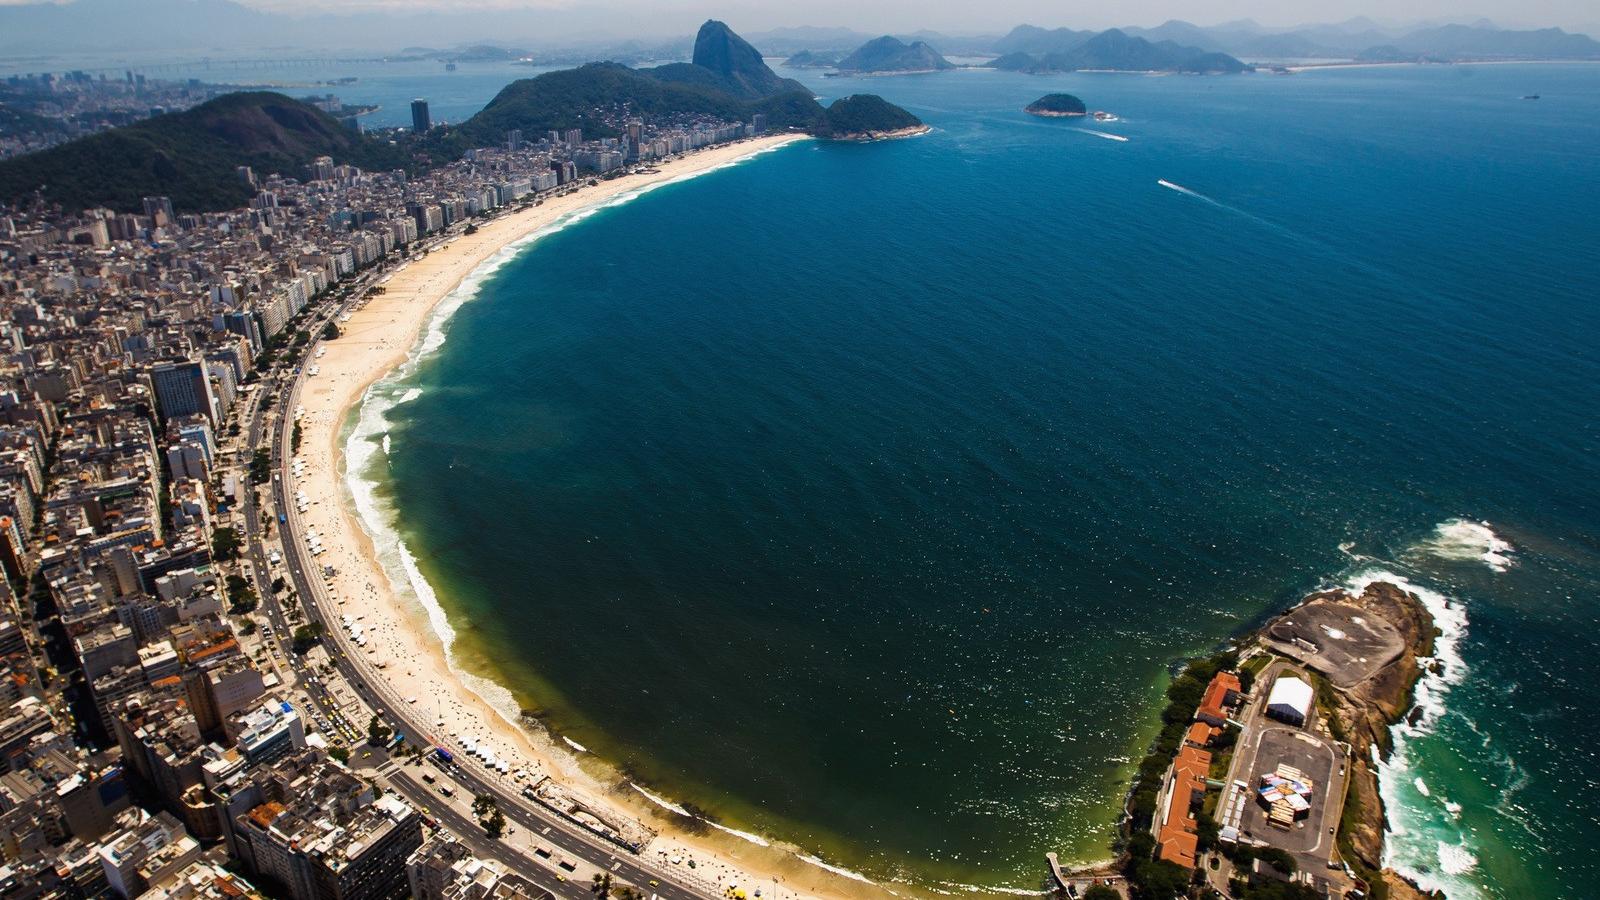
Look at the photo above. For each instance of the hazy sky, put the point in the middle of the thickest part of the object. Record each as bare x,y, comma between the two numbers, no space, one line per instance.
995,14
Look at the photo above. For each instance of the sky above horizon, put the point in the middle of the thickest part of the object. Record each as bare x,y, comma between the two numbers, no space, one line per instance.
667,17
890,15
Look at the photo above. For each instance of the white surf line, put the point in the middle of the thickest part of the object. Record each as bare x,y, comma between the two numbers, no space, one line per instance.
837,870
668,805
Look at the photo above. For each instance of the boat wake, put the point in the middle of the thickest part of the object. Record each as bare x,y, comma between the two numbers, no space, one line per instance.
1104,134
1185,191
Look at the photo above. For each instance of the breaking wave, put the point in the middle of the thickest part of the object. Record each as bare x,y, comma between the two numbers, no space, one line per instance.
1426,843
1467,541
837,870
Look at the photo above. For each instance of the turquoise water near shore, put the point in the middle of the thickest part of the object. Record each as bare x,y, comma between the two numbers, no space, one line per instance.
864,495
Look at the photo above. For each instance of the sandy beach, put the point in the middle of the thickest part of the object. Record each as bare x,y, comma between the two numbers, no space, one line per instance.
375,340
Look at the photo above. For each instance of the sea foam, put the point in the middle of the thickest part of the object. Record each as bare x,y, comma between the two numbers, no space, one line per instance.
1468,541
1417,819
837,870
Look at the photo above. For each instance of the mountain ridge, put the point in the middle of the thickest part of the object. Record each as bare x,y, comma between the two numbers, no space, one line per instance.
1110,50
729,78
192,156
890,54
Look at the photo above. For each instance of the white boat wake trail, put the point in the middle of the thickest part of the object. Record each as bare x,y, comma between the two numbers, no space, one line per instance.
1110,137
1322,246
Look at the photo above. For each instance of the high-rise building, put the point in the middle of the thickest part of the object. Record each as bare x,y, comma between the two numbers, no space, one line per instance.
321,169
635,136
573,137
184,389
420,123
159,209
514,140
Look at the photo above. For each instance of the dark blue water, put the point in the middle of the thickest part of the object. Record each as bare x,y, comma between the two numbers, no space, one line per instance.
864,494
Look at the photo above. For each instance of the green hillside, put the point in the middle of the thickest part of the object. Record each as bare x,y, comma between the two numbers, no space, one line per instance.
863,114
191,156
728,79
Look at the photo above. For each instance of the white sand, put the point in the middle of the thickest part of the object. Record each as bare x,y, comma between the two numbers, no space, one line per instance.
375,341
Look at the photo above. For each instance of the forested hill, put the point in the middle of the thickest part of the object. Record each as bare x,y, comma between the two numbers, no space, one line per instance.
727,79
192,156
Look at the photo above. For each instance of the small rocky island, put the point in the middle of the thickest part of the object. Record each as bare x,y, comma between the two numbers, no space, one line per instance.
1056,105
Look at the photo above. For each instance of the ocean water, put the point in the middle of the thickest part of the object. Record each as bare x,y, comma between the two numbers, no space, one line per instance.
865,495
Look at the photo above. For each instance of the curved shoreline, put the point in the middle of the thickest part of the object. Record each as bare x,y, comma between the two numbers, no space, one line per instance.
380,343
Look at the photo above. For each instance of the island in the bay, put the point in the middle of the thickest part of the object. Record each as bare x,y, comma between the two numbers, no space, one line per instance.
889,55
806,59
1056,105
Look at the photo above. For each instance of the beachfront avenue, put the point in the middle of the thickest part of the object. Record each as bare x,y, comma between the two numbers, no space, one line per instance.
556,852
389,769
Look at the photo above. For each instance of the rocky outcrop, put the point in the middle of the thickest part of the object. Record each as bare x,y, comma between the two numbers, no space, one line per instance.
1364,713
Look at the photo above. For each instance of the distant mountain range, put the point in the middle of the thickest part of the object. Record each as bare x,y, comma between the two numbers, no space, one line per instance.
1182,44
890,54
1063,50
207,27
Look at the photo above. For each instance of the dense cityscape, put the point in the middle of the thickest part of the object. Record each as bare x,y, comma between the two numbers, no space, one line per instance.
1083,498
180,719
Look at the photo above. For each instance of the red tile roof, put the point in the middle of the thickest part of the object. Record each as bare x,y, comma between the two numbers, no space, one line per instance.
1211,707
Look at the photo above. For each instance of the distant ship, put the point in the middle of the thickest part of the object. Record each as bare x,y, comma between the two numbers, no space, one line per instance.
449,67
1530,96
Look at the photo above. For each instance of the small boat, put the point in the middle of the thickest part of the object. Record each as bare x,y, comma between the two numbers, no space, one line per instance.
1530,96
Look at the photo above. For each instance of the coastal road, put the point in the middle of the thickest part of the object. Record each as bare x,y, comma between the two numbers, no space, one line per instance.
471,834
562,833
